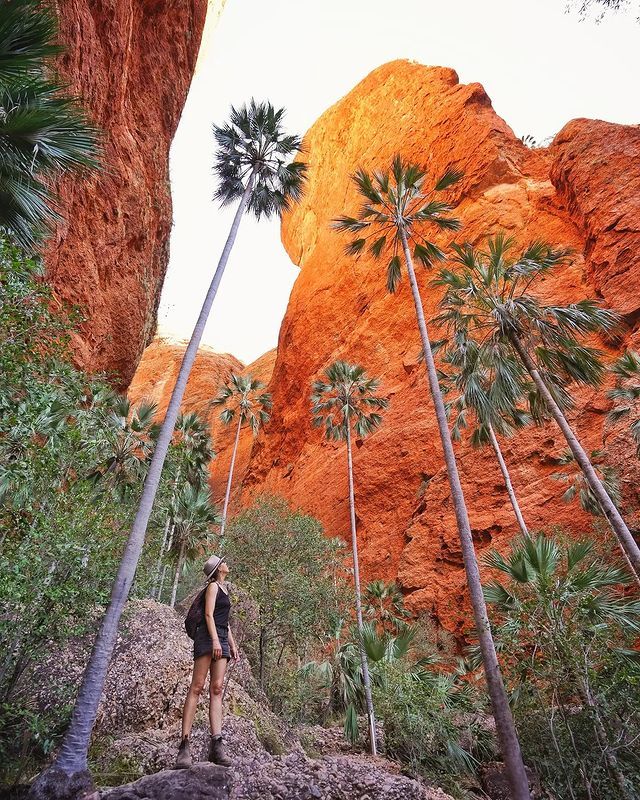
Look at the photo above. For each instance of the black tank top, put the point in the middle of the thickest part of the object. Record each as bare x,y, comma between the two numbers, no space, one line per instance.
221,609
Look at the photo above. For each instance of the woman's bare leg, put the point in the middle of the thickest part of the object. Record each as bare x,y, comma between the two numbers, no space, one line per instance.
200,670
218,669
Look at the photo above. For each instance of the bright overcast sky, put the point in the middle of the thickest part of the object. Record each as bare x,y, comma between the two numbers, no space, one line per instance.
540,66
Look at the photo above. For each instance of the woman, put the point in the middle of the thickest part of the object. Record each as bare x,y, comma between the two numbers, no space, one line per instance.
213,646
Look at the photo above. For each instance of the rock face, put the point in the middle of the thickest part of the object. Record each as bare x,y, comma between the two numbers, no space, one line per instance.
131,65
582,192
155,378
571,194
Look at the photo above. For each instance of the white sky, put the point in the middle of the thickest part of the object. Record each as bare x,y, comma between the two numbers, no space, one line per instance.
540,66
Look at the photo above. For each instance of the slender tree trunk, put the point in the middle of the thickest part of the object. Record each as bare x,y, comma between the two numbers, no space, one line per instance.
366,678
262,656
158,569
507,480
227,495
165,569
505,727
165,538
176,577
620,529
72,756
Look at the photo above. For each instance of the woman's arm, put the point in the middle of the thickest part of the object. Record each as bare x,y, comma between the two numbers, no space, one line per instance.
209,606
232,645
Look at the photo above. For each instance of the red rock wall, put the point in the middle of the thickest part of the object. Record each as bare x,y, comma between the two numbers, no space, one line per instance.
131,64
156,376
582,192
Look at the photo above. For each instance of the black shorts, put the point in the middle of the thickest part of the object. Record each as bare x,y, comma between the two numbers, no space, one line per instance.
202,644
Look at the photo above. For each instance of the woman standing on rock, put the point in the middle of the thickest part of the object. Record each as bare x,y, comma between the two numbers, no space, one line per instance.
213,646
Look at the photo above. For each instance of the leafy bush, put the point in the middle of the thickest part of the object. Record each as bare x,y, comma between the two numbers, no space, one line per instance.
294,575
566,628
61,532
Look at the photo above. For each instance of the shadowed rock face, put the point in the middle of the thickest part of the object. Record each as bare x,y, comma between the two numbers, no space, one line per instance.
582,192
131,65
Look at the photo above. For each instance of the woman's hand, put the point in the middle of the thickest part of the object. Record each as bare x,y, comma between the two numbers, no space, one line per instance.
235,655
217,650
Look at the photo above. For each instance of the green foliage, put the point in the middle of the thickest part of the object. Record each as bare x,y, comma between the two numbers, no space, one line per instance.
626,393
488,306
578,486
566,629
43,132
396,204
62,530
253,142
293,574
243,400
346,397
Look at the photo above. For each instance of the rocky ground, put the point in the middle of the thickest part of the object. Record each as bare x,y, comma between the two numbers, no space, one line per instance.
138,730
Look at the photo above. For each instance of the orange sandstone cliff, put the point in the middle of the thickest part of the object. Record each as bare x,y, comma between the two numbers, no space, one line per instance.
131,65
582,192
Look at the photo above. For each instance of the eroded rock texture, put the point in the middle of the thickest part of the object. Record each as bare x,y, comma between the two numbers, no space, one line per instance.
131,65
582,192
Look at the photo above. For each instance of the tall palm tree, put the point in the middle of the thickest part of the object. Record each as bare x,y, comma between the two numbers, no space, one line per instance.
243,400
627,392
488,298
397,211
193,515
43,131
253,165
489,390
558,599
346,400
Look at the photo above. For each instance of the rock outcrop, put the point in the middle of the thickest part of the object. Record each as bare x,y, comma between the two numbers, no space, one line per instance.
571,194
138,727
155,378
582,192
131,65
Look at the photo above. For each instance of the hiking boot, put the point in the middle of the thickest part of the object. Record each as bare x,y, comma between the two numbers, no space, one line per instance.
184,760
217,754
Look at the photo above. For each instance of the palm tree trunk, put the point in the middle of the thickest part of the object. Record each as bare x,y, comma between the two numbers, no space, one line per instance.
165,569
165,538
620,529
72,756
176,577
505,727
158,569
366,678
507,480
230,479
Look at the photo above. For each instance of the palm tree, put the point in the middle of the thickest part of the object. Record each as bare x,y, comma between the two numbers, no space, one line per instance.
397,207
627,392
253,167
243,400
488,298
489,390
558,599
128,438
384,603
346,399
192,516
192,442
579,488
43,132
